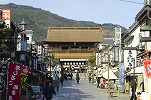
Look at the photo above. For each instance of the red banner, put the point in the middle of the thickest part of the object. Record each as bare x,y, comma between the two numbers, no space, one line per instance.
14,71
147,67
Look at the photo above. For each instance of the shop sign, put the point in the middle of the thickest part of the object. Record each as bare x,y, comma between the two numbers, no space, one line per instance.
147,67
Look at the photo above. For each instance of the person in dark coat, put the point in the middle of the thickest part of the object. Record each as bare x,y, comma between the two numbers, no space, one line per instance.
133,86
48,90
98,82
61,80
65,75
77,77
71,76
89,78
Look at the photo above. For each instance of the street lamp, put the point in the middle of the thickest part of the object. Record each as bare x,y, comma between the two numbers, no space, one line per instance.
23,41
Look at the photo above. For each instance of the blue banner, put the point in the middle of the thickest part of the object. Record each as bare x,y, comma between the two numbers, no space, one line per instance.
121,74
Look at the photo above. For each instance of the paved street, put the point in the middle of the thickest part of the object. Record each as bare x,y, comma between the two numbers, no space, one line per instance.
85,91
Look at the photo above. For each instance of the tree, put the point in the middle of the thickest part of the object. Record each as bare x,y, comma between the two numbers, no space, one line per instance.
95,48
7,43
92,58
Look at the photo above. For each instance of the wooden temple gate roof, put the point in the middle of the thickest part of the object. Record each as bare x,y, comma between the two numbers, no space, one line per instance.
74,34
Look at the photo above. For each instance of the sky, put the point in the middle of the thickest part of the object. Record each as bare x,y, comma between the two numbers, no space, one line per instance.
121,12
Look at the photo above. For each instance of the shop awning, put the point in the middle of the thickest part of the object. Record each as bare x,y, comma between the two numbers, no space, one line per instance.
111,75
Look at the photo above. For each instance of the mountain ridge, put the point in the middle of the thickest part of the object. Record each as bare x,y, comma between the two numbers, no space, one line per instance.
39,20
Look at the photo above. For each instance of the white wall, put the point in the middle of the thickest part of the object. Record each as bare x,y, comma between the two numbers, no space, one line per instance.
29,34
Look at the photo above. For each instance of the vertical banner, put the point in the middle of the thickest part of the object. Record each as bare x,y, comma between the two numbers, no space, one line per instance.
24,74
121,74
14,71
147,67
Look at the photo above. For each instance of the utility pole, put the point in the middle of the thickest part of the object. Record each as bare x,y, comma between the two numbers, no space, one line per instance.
24,42
134,75
108,71
97,63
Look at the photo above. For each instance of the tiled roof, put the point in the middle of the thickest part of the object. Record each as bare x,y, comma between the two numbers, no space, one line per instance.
74,34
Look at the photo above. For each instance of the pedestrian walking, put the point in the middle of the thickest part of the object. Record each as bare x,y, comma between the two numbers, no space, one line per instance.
65,75
127,86
48,90
61,79
85,74
71,75
77,77
102,82
133,89
41,85
98,82
89,77
57,82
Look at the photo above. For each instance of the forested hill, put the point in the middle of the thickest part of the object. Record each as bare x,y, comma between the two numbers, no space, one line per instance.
39,20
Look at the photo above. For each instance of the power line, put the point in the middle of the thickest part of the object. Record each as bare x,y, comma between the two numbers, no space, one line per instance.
131,2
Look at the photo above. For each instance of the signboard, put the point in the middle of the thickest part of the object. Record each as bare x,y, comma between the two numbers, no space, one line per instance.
129,56
14,71
148,46
147,67
3,79
3,75
19,41
36,89
117,36
6,16
98,58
